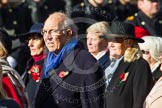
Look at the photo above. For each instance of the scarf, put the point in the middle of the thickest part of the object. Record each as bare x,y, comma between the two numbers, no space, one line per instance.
109,71
54,60
39,57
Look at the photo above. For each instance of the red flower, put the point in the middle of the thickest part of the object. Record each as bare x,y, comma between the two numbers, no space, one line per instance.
62,74
123,76
35,71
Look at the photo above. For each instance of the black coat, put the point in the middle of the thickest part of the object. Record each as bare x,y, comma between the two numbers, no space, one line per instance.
8,103
132,92
153,26
42,9
157,74
76,90
85,14
30,83
15,20
123,11
104,61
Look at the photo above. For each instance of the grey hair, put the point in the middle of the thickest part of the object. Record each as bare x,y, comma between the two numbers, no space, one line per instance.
154,45
102,27
69,23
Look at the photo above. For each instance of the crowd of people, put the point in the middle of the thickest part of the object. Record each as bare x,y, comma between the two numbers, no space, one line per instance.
81,54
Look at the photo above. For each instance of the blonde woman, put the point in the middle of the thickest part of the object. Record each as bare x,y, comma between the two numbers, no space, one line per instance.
129,79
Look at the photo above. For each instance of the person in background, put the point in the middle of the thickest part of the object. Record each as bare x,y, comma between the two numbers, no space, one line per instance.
151,51
15,17
141,32
41,9
11,80
148,17
128,77
97,45
34,67
5,101
89,12
154,98
124,8
71,74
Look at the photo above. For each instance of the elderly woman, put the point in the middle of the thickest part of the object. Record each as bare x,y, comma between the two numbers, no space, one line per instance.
97,45
129,78
34,67
153,54
151,51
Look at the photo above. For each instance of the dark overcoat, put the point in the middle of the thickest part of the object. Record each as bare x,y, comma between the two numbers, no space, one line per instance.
153,26
81,87
131,91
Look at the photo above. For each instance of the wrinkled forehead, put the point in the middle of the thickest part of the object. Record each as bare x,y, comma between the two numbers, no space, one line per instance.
53,23
94,34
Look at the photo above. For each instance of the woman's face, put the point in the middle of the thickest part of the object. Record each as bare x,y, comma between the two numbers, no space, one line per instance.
116,47
96,44
145,53
36,45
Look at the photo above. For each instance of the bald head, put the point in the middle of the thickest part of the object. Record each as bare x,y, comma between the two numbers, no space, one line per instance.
58,18
57,30
62,21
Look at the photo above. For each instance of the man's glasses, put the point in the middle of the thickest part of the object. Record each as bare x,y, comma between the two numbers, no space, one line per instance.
52,32
145,52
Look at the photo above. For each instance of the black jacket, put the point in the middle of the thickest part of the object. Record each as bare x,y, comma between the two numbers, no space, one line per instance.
131,92
153,26
82,87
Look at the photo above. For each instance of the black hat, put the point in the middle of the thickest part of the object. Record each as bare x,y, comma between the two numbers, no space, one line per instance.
123,30
5,39
36,28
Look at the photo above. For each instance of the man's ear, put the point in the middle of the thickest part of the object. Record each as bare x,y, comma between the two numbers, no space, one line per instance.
68,33
139,4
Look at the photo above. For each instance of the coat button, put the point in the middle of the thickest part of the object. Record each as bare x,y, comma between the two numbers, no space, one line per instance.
15,22
10,10
57,101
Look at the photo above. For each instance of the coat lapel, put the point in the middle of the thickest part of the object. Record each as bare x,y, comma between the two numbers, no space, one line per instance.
47,88
115,81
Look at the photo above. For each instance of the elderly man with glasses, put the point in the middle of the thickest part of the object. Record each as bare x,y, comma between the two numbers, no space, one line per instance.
71,78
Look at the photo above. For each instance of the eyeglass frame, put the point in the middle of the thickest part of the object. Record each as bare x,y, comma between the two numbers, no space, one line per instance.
50,31
145,52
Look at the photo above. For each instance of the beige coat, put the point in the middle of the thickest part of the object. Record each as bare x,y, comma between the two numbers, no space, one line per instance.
154,99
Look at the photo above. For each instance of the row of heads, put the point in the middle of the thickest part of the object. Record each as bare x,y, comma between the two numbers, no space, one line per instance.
118,30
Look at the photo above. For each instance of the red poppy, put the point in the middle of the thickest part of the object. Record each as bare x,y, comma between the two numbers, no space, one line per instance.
123,76
62,74
35,71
